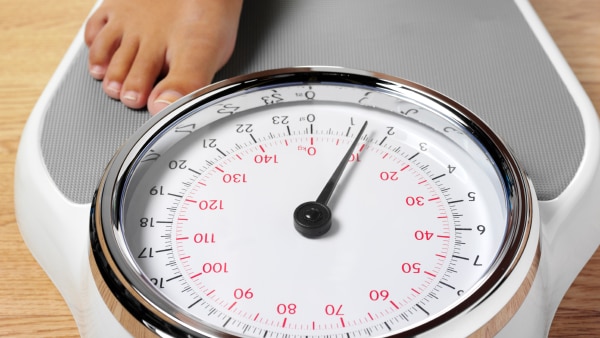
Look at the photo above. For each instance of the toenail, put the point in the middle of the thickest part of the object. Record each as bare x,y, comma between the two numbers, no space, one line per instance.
164,99
114,87
167,97
131,96
97,71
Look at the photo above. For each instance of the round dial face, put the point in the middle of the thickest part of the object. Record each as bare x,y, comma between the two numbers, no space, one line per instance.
309,206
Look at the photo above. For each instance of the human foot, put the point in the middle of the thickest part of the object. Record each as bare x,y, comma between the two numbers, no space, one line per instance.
180,43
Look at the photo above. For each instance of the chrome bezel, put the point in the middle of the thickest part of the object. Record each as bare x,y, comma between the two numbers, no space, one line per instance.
124,289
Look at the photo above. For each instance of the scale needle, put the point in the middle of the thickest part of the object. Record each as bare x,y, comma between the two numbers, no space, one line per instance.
313,219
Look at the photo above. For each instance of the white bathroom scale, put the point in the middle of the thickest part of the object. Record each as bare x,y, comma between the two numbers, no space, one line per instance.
472,97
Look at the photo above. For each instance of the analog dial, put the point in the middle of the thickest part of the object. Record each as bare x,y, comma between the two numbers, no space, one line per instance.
312,207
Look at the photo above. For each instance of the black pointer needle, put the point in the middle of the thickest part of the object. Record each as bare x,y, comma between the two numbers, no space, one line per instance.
313,219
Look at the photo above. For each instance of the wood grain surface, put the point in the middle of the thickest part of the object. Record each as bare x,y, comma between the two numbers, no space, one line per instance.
34,36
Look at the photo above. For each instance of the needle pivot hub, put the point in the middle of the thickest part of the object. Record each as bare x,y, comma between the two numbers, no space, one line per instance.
312,219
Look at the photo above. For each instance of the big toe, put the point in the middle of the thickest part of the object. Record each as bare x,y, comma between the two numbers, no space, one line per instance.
162,100
175,86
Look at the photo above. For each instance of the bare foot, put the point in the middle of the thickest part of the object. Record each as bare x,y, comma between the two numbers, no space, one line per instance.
181,43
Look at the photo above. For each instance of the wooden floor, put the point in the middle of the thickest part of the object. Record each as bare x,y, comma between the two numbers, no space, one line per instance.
34,35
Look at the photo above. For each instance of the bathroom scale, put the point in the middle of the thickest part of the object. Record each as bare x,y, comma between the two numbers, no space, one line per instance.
357,169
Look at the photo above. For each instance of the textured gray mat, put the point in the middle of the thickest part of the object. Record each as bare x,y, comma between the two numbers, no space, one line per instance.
479,52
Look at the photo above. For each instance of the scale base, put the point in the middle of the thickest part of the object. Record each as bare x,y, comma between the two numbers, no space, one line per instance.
495,58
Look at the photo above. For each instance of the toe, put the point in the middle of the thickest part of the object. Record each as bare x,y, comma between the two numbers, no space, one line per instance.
101,51
94,25
192,67
175,85
144,71
119,67
163,100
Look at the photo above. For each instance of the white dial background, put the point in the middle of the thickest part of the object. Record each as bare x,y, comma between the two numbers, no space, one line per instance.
418,217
